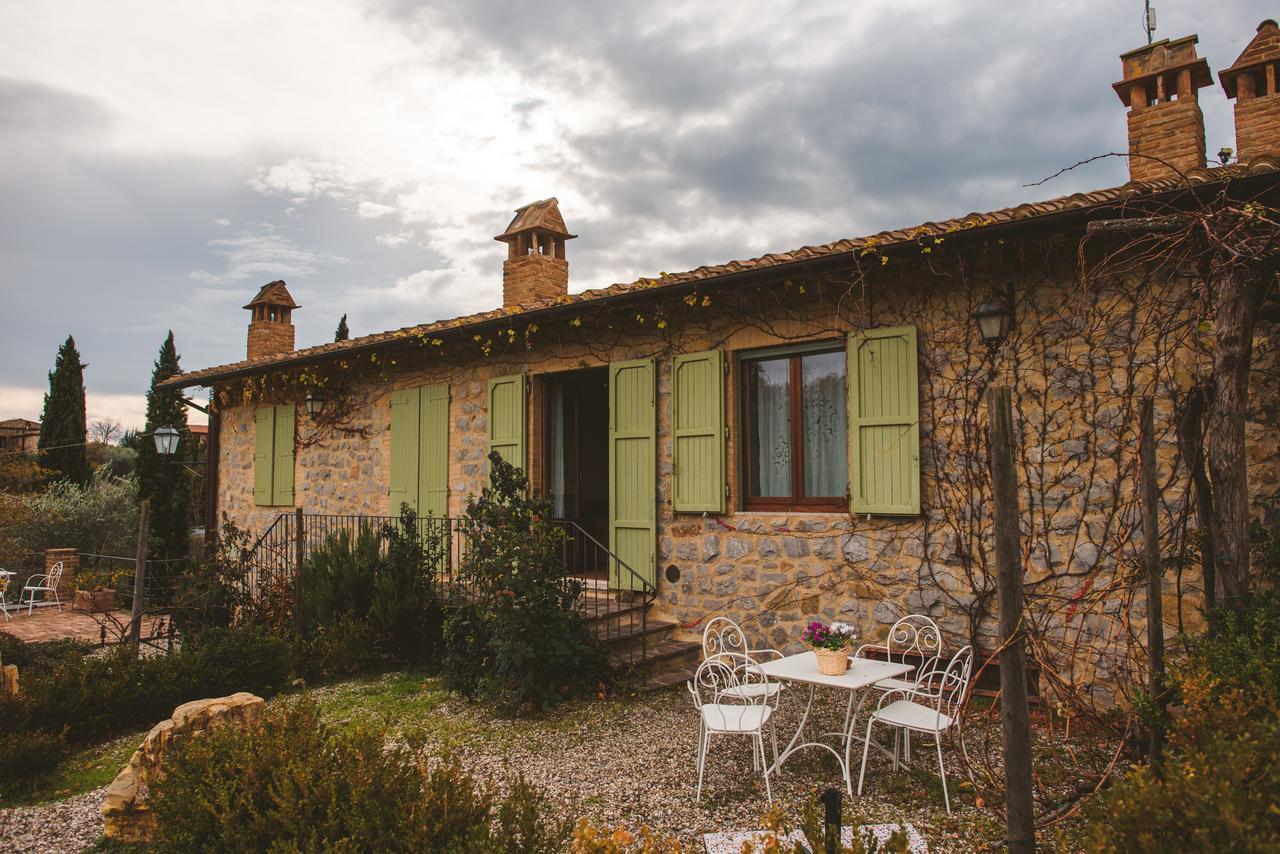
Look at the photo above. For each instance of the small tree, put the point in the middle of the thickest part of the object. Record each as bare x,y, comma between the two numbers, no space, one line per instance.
522,641
62,426
160,480
342,333
105,430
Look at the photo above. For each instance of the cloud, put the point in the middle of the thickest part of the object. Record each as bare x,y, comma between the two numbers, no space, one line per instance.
264,256
392,240
372,210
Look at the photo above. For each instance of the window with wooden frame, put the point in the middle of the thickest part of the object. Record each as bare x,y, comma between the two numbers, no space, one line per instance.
795,429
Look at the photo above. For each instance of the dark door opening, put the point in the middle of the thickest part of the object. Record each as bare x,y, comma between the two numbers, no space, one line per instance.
577,455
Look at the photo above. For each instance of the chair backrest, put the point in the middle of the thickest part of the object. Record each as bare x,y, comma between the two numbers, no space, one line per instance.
721,674
948,687
723,635
915,635
55,575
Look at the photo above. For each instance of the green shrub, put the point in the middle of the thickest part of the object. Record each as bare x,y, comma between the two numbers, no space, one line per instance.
33,658
375,577
91,697
1220,782
26,757
345,647
100,517
521,642
296,784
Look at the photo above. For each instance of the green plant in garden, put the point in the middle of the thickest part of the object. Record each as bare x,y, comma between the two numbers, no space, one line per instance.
161,481
63,432
295,783
375,578
521,641
99,517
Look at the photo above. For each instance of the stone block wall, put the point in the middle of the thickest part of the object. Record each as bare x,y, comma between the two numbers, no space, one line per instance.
269,338
1075,384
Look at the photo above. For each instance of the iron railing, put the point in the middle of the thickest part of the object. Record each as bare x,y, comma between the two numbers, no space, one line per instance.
611,596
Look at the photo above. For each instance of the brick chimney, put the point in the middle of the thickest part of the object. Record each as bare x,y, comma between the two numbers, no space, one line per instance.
1251,81
535,268
270,326
1165,122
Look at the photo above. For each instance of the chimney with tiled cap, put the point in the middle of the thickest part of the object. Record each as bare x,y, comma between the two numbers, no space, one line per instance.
1251,81
271,324
535,268
1166,127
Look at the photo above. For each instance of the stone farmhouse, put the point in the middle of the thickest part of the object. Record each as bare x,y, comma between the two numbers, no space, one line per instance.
801,434
19,435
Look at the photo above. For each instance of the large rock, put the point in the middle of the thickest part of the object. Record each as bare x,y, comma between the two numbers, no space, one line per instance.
126,810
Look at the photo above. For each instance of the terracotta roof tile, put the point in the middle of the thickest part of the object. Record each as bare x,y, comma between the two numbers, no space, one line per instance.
976,220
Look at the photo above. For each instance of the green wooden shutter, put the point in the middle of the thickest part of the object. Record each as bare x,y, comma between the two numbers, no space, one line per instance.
507,418
884,422
404,449
697,421
433,454
264,420
632,471
282,472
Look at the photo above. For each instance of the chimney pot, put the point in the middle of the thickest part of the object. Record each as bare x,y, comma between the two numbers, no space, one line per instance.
1166,127
1251,82
536,268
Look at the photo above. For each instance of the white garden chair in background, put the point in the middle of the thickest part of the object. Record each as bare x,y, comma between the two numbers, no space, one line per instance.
722,635
46,583
932,707
750,715
915,636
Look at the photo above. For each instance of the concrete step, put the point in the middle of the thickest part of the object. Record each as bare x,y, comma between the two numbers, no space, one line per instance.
666,678
663,650
616,634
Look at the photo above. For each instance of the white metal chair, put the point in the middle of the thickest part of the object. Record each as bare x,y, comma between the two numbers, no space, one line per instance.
915,636
4,587
722,635
932,706
46,583
750,715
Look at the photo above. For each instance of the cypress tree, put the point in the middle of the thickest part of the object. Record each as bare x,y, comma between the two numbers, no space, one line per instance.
161,479
62,426
342,333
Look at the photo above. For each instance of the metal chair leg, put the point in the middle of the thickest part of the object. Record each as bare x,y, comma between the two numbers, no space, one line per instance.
702,762
937,740
768,790
866,745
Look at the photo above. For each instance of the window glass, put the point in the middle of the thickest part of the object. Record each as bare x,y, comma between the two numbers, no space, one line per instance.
823,407
769,431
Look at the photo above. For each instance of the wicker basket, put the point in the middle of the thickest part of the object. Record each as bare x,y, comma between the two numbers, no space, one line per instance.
832,662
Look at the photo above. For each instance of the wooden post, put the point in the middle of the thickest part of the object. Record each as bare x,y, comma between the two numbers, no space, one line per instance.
300,555
1014,714
1151,560
140,572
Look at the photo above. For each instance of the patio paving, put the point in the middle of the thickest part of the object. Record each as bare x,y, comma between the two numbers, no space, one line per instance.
47,624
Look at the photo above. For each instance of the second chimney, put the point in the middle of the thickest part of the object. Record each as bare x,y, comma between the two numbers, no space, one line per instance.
1251,81
1166,127
536,268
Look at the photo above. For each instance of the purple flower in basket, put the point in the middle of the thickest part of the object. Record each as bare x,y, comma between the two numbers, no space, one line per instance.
837,636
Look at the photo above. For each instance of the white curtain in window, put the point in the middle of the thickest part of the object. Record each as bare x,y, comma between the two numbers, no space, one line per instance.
556,457
771,428
825,425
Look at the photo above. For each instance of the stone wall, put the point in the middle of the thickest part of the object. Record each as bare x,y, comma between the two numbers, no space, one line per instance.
1076,369
126,810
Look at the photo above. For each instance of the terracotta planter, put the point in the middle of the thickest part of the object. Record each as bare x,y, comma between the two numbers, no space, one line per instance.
832,662
94,601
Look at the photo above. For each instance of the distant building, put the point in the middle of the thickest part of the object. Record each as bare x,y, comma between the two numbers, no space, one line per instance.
19,434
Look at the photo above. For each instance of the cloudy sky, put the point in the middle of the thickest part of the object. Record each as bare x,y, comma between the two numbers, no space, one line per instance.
161,160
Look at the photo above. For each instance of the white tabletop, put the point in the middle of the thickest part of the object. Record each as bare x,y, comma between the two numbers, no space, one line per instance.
803,667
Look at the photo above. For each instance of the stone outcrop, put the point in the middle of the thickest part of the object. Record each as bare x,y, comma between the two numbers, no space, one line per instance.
126,810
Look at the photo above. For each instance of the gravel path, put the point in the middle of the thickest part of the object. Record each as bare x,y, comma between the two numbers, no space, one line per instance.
62,827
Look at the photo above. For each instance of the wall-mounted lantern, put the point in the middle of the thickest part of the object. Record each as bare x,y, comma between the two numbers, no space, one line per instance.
994,318
314,404
166,439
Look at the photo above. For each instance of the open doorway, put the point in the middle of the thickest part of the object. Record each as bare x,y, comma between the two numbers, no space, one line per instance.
577,455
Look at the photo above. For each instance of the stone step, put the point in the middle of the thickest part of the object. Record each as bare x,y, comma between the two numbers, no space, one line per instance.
617,634
666,678
663,650
594,609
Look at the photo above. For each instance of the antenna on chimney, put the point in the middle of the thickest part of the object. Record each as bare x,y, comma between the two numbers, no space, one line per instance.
1149,20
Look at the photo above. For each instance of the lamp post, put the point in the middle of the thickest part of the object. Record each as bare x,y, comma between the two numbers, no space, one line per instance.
166,439
314,404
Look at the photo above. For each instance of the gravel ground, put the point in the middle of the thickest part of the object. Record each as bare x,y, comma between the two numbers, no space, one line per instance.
630,762
57,828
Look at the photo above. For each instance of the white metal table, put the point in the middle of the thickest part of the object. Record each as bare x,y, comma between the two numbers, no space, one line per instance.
803,668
